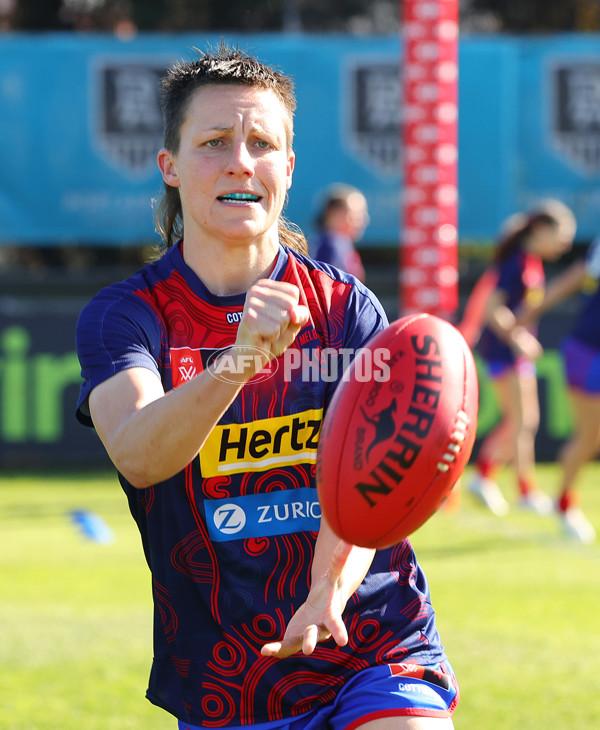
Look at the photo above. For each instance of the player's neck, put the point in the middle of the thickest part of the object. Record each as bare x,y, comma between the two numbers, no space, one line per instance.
230,269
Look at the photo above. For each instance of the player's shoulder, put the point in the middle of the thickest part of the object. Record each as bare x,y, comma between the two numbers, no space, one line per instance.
342,307
331,277
129,296
512,269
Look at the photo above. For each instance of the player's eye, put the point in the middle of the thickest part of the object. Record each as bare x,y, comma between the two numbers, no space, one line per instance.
214,143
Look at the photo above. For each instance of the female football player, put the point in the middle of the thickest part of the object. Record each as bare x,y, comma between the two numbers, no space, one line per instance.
581,356
510,349
341,222
263,618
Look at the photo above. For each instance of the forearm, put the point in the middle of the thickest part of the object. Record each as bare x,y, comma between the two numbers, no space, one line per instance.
504,324
162,438
338,569
150,435
156,435
350,562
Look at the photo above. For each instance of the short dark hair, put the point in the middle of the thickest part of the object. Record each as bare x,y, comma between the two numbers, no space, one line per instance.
225,66
230,66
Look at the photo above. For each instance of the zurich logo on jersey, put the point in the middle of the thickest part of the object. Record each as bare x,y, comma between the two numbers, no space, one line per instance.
229,519
262,515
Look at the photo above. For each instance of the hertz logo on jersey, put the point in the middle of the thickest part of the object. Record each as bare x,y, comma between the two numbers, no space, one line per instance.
263,444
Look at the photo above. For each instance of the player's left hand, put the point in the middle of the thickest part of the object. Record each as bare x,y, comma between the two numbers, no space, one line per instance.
320,617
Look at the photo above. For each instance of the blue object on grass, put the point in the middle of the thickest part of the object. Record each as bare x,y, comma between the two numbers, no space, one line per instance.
92,526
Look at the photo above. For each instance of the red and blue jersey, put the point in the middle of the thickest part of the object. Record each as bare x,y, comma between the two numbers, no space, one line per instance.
521,279
230,539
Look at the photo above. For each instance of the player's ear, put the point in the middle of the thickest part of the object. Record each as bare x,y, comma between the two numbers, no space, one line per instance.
166,163
290,169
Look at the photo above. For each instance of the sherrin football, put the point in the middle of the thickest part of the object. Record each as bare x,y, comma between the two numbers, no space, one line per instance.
399,431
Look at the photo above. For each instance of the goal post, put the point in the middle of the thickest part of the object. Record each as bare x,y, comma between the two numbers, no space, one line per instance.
428,260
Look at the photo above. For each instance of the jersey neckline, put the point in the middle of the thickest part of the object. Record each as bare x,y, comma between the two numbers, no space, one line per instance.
199,287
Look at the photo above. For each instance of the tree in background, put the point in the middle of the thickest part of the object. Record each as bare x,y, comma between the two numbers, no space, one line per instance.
313,16
541,16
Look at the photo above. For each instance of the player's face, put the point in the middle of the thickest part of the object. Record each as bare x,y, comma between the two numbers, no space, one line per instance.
233,166
357,215
551,242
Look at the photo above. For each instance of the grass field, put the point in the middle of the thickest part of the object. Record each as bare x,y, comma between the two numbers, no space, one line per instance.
517,607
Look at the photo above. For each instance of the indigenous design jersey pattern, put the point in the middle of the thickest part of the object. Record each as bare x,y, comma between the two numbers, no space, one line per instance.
230,539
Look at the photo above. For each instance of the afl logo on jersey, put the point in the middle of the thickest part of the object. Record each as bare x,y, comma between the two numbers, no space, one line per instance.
229,519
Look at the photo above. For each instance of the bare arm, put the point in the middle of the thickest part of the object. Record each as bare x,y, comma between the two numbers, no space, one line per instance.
509,329
338,569
150,435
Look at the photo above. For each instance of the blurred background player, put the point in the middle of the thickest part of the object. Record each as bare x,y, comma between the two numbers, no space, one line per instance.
340,224
581,355
510,349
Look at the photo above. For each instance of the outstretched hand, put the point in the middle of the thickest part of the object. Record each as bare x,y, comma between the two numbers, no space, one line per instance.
320,617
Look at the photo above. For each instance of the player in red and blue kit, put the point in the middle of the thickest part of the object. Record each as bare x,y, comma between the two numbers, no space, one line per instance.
581,355
510,349
206,378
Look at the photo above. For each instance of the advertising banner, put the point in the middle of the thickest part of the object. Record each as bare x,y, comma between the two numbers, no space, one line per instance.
39,385
81,126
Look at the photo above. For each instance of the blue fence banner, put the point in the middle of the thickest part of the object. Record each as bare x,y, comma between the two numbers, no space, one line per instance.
81,127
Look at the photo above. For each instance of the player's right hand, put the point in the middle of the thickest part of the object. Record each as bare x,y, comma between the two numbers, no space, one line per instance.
271,319
319,618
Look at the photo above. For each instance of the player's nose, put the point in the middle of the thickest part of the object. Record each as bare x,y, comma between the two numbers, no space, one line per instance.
240,161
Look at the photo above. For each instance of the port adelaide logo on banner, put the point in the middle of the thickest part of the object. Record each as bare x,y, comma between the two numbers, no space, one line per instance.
575,86
373,112
127,120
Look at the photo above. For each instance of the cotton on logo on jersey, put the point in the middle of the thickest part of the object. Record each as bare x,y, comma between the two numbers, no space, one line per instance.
264,444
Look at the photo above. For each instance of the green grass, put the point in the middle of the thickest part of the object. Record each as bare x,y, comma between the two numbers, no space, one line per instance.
517,609
75,614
